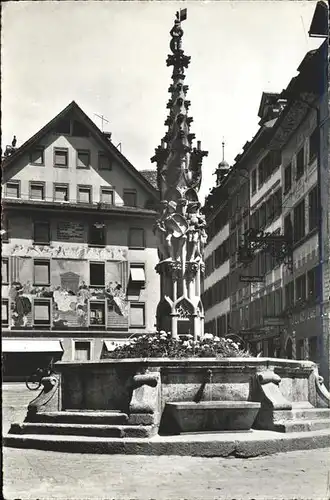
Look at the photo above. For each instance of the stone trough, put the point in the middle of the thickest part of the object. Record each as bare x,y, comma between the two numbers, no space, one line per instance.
213,415
149,406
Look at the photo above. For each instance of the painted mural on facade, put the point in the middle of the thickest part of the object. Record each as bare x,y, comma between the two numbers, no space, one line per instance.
69,308
69,294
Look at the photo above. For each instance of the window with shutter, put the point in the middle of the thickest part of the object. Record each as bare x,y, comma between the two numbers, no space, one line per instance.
83,159
12,190
312,284
37,191
299,221
254,181
96,274
97,234
61,192
41,314
313,209
287,178
84,195
107,196
82,351
314,144
4,312
5,271
97,313
137,275
37,156
104,162
137,314
301,288
41,272
129,197
300,163
61,157
41,232
278,302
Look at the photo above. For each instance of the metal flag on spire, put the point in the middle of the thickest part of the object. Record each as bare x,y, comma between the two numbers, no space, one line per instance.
182,14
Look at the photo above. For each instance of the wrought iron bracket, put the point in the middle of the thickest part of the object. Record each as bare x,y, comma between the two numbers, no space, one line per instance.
279,246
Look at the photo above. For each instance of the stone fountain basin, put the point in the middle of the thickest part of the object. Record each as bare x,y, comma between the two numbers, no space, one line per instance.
188,416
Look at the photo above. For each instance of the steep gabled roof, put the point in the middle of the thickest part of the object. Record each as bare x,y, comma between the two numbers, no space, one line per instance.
95,132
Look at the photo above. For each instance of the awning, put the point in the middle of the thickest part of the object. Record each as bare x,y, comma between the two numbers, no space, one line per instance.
112,344
137,274
31,346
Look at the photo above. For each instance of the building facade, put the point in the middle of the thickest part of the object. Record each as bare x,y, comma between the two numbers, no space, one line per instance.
278,230
216,255
78,248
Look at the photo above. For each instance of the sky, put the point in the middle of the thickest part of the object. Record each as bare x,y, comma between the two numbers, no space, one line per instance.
110,58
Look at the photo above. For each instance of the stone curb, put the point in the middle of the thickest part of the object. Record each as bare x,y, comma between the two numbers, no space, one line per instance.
208,445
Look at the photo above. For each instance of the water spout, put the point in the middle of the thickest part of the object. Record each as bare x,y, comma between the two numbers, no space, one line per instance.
200,392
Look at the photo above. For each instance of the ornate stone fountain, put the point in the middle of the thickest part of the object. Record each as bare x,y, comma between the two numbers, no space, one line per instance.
122,405
180,228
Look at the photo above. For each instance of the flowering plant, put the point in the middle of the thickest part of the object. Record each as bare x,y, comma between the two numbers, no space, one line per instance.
162,345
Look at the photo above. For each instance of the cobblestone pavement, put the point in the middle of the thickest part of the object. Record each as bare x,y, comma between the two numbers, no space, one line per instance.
34,474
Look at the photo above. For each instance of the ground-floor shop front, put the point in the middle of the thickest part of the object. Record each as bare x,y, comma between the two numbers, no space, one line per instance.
22,356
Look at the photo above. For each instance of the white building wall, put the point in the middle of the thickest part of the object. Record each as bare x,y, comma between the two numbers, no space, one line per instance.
219,238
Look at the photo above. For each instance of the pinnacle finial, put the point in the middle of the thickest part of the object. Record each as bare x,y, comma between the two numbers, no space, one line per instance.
223,149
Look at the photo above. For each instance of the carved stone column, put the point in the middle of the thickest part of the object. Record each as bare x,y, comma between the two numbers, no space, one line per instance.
180,228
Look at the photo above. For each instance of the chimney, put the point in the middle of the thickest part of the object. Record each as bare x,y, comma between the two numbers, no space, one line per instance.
107,135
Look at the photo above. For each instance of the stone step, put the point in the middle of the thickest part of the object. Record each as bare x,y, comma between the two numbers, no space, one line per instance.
302,425
303,414
75,430
83,417
216,444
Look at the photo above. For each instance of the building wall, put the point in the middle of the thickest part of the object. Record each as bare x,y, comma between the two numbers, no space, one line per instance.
71,306
116,178
74,258
303,322
216,270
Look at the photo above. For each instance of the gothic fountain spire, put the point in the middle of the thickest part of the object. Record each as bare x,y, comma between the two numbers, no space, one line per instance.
180,228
